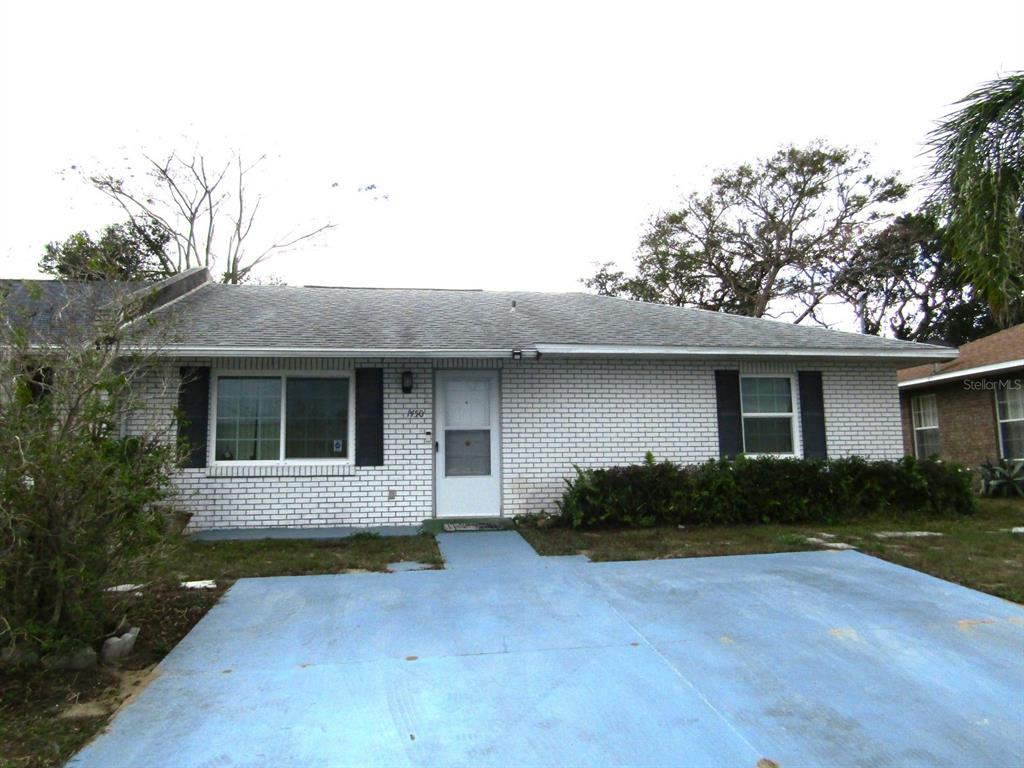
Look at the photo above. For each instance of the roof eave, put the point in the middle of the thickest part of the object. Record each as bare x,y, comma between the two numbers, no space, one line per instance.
288,352
966,373
924,354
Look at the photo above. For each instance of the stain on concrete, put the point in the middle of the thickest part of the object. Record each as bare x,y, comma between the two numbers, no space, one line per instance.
844,633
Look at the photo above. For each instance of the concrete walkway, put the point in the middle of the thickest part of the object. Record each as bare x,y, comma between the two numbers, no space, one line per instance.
509,659
483,549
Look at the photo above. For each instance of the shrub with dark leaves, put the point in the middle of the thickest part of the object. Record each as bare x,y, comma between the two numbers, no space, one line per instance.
763,490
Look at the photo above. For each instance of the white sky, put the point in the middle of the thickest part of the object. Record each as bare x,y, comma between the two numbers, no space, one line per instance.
518,143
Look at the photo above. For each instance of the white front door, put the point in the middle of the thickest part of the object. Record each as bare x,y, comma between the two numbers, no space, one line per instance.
468,460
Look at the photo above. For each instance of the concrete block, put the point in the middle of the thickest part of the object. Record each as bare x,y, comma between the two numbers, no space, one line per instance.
115,648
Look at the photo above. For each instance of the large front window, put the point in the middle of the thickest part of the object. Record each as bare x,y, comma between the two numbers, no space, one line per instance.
1010,410
924,412
767,403
277,418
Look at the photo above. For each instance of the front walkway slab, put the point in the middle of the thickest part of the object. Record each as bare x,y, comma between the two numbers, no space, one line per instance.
506,658
484,549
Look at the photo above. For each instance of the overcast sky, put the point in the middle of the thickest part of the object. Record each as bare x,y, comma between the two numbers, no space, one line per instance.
517,143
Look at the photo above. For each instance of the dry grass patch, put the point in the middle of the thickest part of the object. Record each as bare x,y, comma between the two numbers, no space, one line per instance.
977,551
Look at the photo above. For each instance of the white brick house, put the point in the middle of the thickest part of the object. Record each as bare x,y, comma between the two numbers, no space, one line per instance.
312,407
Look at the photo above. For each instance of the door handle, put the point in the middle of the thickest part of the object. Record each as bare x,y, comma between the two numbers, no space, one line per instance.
437,446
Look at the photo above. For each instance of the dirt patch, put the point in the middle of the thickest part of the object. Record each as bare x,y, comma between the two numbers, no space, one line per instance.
129,684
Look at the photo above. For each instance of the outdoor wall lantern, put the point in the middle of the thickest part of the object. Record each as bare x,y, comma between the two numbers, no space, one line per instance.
406,382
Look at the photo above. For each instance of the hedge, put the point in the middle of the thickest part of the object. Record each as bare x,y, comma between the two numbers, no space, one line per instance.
764,490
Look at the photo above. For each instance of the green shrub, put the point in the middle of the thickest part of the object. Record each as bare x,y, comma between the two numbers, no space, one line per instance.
76,497
763,490
1003,479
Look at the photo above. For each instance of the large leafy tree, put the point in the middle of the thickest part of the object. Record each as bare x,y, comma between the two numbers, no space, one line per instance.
770,239
903,282
979,176
133,251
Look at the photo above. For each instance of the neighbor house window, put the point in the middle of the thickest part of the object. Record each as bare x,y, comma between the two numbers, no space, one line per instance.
1010,412
277,418
767,404
924,413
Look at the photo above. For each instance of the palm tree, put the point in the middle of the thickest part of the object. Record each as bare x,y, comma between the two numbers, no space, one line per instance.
979,179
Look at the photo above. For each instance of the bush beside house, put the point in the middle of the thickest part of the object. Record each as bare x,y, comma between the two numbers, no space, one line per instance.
76,496
764,490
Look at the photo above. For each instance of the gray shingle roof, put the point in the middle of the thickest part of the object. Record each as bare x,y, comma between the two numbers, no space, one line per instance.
51,310
230,317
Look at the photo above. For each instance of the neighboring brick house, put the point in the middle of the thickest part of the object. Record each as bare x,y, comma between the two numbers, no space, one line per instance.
318,406
969,410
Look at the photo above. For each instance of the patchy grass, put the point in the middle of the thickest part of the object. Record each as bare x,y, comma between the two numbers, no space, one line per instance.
31,731
977,551
225,561
46,716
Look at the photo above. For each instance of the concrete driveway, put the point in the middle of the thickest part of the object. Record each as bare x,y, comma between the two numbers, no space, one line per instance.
509,659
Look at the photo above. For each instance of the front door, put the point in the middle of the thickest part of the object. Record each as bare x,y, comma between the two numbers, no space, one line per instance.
468,462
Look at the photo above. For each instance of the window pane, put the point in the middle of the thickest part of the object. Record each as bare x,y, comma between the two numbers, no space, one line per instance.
248,419
1011,403
1013,439
926,442
925,411
766,395
768,435
316,419
467,452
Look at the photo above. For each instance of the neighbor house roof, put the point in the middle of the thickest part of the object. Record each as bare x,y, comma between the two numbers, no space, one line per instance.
50,310
223,320
1002,351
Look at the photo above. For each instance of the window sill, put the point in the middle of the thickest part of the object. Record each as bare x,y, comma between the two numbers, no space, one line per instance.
320,469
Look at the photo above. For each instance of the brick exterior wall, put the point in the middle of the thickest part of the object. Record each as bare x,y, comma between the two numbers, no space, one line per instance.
602,413
554,413
967,419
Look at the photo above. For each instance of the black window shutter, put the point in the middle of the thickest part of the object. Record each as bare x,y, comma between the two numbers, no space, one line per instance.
369,417
812,414
193,413
730,419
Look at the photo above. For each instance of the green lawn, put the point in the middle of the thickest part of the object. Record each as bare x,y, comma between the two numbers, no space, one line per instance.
225,561
35,729
977,551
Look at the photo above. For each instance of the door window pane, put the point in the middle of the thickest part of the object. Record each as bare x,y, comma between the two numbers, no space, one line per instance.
768,435
467,404
316,419
248,419
467,452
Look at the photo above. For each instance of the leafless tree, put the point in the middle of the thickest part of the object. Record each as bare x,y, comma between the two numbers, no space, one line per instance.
206,208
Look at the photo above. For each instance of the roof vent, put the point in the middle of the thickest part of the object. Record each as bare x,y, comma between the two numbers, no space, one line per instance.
513,306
